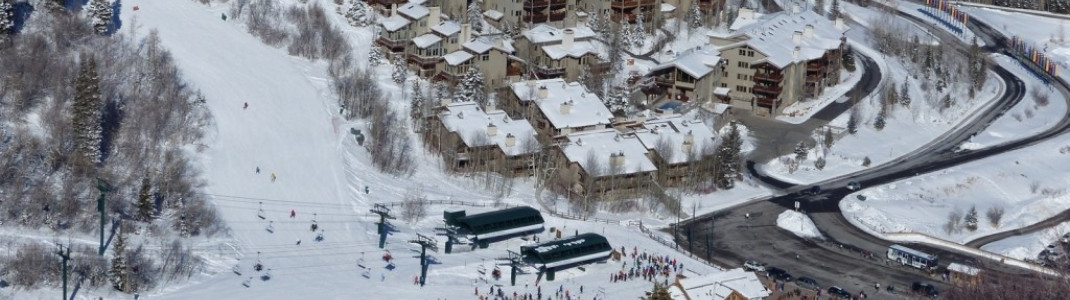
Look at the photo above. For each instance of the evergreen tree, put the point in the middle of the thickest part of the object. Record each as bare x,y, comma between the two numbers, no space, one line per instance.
441,92
400,70
100,15
881,115
617,100
475,15
86,110
119,274
56,5
375,56
416,105
7,17
660,292
473,87
848,60
971,219
800,151
904,93
914,44
852,122
947,101
819,7
145,207
694,16
728,157
359,14
834,11
928,62
829,139
977,66
638,31
866,162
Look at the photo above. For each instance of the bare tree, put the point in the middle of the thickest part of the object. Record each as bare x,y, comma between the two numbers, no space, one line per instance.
414,205
994,214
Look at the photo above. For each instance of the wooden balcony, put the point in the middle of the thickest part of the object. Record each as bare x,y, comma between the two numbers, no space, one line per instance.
423,62
386,3
664,81
558,16
558,4
814,78
767,102
768,77
767,90
616,17
393,45
448,77
815,66
533,18
546,73
631,4
531,5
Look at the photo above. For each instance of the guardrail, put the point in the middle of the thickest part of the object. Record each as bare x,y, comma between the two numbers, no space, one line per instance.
930,240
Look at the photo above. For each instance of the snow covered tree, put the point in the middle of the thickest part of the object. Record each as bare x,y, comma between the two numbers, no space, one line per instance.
800,151
947,101
617,100
977,70
971,219
416,105
359,14
829,139
904,93
473,87
598,24
852,122
848,60
694,16
819,163
119,274
375,56
100,15
638,31
660,292
881,115
866,162
7,17
819,7
475,15
728,158
86,112
145,207
441,91
834,11
400,70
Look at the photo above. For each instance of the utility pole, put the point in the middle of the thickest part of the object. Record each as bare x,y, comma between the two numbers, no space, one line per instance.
66,256
104,188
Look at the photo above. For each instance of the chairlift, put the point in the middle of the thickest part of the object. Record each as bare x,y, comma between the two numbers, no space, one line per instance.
319,236
236,269
360,263
266,276
247,282
367,273
260,212
271,227
387,257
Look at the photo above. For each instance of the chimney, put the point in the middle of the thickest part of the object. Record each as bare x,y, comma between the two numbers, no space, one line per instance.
510,140
466,33
795,53
531,83
796,37
746,13
543,92
568,38
393,9
489,107
796,9
689,142
435,17
579,142
566,107
839,23
446,101
492,130
616,159
808,31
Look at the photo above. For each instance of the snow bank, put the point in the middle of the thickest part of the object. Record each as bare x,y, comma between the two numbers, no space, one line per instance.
798,223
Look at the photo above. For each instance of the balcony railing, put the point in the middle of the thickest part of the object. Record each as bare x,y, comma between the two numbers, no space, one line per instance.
424,62
387,3
664,81
558,4
535,4
544,72
393,45
558,16
449,77
772,90
767,102
768,77
622,4
533,18
815,67
815,78
616,17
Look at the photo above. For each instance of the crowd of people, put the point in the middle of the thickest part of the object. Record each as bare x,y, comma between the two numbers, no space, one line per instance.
647,266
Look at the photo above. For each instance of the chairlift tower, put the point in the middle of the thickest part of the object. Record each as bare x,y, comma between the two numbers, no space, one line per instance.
104,188
515,261
384,214
425,242
66,255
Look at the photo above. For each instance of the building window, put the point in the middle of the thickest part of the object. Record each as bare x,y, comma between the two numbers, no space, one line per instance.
724,85
486,57
750,53
742,52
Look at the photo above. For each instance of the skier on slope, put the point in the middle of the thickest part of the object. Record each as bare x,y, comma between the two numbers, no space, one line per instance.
293,213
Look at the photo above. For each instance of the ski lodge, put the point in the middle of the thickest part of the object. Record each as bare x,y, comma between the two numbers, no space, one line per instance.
496,225
564,253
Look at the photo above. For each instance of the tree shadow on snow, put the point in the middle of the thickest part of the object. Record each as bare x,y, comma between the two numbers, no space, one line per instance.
23,10
116,22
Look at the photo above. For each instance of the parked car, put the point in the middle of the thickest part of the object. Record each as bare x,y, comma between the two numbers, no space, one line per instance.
854,185
925,289
777,274
807,283
838,292
752,265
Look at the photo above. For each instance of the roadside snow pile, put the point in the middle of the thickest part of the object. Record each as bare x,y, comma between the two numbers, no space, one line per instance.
798,223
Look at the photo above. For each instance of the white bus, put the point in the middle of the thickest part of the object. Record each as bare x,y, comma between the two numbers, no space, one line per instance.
913,258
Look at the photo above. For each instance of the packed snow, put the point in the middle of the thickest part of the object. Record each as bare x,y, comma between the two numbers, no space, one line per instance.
797,223
1040,109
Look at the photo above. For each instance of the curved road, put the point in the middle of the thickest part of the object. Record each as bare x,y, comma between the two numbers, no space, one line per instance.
734,237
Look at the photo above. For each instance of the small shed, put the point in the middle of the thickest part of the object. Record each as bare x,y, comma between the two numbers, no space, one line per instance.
963,274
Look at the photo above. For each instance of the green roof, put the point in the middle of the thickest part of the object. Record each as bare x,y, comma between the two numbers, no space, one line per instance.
568,248
501,220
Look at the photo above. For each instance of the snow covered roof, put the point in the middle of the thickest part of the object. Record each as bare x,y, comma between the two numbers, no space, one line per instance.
773,36
414,11
676,131
697,62
394,23
493,14
665,7
744,18
960,268
577,50
478,46
584,109
426,40
457,57
543,33
470,122
718,286
447,28
605,146
721,91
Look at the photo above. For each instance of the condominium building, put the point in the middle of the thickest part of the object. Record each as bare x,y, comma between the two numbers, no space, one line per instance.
772,61
482,139
680,149
602,165
557,13
688,75
559,53
556,108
